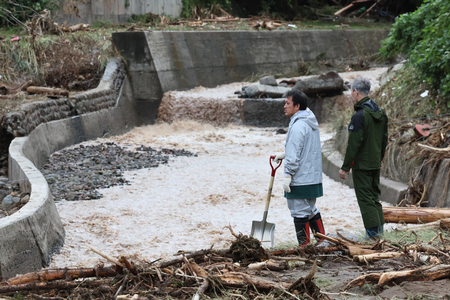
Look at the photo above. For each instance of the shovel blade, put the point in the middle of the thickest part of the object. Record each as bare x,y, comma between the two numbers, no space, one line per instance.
266,236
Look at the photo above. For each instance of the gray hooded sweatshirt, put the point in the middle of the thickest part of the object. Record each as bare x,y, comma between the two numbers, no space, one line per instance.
303,159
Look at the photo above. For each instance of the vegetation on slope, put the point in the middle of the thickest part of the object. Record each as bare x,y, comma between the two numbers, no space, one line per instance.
422,36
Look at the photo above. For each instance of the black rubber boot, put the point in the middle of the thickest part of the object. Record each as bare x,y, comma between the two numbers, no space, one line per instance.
372,233
317,226
302,230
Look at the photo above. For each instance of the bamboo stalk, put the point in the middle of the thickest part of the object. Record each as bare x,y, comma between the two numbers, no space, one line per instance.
106,256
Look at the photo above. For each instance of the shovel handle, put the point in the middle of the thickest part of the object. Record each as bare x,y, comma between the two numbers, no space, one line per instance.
269,194
274,169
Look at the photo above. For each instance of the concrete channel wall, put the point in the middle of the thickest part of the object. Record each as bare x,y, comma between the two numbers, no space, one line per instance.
391,191
158,62
29,237
114,11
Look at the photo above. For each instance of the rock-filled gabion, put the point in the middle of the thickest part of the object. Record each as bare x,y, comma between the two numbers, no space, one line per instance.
11,199
77,173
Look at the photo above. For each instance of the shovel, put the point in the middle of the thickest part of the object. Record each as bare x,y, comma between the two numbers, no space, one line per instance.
263,230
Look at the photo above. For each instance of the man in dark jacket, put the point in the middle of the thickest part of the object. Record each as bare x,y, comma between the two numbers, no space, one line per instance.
367,141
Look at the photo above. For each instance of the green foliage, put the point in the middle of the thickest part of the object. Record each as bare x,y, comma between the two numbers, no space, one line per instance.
423,37
22,10
97,24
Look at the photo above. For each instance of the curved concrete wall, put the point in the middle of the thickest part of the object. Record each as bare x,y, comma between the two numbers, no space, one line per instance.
29,237
391,191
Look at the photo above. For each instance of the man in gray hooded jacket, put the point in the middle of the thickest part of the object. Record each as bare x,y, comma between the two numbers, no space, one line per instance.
302,167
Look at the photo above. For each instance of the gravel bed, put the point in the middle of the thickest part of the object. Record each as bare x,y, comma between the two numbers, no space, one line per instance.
77,173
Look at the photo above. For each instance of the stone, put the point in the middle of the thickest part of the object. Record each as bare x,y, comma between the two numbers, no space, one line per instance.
328,83
9,202
255,91
50,179
268,80
390,73
25,199
75,174
2,195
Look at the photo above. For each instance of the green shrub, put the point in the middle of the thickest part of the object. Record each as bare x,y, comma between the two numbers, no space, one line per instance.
423,37
22,10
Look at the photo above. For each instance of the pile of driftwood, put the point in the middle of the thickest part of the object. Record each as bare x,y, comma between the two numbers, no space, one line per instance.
426,148
43,23
209,271
236,271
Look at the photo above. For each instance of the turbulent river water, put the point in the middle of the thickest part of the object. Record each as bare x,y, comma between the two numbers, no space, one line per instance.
186,204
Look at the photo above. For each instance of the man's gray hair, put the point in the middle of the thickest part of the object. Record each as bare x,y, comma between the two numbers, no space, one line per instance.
362,85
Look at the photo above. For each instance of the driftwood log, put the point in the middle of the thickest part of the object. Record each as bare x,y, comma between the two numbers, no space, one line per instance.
415,215
237,280
50,275
376,256
427,273
46,90
269,264
51,285
223,252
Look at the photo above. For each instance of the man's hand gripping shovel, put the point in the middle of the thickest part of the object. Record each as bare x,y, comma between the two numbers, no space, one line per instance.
263,230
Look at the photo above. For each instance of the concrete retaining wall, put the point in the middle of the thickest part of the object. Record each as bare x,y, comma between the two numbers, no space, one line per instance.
158,62
391,191
30,115
29,237
115,11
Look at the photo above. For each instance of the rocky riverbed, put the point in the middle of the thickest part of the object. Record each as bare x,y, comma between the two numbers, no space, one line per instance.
77,173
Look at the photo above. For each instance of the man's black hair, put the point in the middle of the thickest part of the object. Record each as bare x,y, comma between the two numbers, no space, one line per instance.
298,98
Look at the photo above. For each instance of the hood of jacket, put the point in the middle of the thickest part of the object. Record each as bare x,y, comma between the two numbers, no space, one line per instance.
306,116
371,107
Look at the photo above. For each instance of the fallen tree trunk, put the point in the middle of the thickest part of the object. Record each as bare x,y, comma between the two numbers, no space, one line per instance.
427,273
223,252
51,285
237,279
50,275
269,264
361,280
414,215
376,256
45,90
